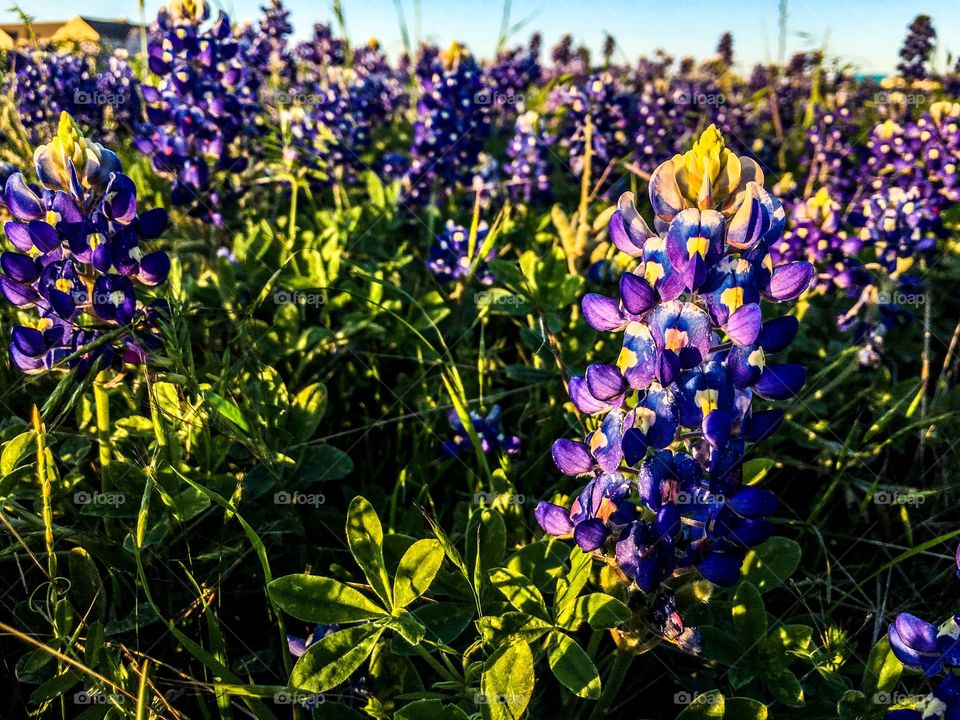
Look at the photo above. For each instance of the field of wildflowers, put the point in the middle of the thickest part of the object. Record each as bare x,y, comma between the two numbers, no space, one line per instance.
444,387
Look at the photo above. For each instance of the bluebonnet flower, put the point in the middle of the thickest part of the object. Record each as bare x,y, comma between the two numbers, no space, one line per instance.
298,645
492,438
943,703
117,87
603,101
917,48
451,127
46,83
450,254
919,644
79,242
205,111
528,172
676,409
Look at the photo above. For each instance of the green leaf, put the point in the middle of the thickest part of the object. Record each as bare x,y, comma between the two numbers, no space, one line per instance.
507,682
305,412
883,669
571,584
13,450
431,709
497,629
365,537
317,599
418,567
741,708
793,639
334,658
227,409
756,470
486,541
852,706
520,592
597,609
407,625
771,563
720,646
706,706
749,615
785,688
572,666
323,463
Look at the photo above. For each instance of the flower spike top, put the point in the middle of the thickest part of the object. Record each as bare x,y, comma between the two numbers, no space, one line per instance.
707,177
71,162
189,11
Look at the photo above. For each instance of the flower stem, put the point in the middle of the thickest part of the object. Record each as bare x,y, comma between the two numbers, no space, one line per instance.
622,660
101,401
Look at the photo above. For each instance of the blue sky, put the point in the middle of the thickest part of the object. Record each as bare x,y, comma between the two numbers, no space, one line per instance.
867,34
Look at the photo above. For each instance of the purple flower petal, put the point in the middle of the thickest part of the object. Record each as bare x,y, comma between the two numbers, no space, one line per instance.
605,381
590,534
776,335
554,519
779,382
602,313
743,326
573,458
23,202
789,281
636,294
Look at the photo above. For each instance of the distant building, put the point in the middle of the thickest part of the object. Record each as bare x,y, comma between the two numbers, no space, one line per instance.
109,34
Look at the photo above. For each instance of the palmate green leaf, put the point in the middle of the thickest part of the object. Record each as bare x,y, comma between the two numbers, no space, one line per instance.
365,537
322,463
507,682
497,629
719,646
572,666
486,542
418,567
771,563
597,609
334,658
749,615
520,592
317,599
741,708
408,626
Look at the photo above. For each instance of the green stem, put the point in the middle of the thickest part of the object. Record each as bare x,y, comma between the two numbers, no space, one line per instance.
432,662
101,401
618,672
